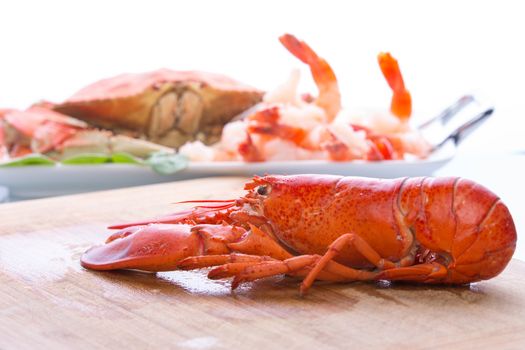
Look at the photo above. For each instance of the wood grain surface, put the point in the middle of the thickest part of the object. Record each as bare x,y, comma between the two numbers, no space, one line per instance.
48,301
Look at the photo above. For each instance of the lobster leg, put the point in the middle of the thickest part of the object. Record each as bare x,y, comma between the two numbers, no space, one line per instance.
231,269
258,242
235,263
267,269
254,247
419,272
202,261
333,250
298,266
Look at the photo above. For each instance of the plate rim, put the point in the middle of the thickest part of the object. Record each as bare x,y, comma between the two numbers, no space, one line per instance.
444,155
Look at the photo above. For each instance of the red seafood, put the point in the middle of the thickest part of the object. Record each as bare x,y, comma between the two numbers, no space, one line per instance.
290,126
41,130
316,227
165,106
401,105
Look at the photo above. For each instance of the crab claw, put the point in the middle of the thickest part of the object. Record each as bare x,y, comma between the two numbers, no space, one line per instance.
155,247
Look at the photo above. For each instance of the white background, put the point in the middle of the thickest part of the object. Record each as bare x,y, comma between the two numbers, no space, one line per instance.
50,49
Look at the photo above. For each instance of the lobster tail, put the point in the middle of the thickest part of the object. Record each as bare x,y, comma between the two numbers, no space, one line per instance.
493,238
462,224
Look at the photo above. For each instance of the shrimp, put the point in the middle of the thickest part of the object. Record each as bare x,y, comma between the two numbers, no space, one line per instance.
329,98
290,126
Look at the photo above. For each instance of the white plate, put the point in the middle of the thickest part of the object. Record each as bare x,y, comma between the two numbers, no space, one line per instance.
43,181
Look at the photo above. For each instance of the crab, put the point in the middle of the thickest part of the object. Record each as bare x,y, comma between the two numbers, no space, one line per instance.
164,106
40,130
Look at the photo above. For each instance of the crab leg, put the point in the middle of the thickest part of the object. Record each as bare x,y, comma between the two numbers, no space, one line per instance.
59,136
3,143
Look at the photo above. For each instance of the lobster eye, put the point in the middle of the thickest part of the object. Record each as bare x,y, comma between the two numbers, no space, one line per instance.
263,190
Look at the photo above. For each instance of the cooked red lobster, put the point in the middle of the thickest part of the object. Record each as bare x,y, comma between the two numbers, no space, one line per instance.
317,227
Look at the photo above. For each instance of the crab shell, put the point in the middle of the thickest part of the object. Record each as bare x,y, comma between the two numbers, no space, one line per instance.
168,107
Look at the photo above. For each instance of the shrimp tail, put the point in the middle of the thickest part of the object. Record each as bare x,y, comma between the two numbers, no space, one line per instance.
401,105
329,96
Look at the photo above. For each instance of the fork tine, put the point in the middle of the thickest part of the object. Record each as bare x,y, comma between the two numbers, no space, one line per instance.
447,114
465,129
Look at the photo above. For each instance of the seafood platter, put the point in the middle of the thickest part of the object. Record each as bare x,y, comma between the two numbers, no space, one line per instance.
158,126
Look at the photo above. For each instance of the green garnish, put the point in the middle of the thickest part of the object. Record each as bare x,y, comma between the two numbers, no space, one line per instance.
161,162
30,159
167,163
99,158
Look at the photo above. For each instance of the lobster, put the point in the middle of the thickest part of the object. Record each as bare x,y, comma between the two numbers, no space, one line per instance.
322,227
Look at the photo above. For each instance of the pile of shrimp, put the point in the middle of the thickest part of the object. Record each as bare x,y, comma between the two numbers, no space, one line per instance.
289,126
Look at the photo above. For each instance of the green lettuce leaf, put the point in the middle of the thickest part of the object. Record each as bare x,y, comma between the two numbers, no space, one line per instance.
87,158
161,162
30,159
99,158
125,158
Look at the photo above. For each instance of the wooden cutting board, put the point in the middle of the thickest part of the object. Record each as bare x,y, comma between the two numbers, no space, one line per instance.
48,301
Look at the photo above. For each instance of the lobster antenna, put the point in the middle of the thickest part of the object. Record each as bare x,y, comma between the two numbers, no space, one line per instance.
207,201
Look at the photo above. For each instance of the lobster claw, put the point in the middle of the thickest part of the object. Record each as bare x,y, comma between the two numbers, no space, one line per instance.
154,247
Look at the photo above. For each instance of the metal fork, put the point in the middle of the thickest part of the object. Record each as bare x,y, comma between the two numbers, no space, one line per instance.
458,134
